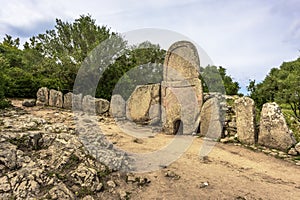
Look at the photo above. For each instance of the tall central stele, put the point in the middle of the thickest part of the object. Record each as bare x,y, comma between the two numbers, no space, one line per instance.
181,89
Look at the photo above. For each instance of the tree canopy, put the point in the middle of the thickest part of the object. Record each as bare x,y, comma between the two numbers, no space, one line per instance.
281,85
215,79
52,59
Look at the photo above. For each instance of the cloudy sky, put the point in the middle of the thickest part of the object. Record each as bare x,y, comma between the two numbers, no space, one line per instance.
248,38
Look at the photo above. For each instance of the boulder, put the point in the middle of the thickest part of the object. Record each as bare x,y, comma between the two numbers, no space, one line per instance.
297,147
68,100
56,99
60,191
211,123
42,97
143,104
293,152
29,102
245,120
274,131
117,107
101,106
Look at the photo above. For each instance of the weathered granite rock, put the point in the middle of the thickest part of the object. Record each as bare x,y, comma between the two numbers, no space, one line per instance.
51,162
274,131
117,107
181,89
29,102
297,147
4,185
245,120
142,103
42,96
8,155
211,125
56,98
61,192
87,177
101,106
293,152
88,104
77,102
68,100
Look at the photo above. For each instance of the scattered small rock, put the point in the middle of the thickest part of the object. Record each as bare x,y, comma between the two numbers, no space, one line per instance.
205,159
130,178
138,140
204,184
123,195
88,197
111,184
293,152
172,174
29,102
230,139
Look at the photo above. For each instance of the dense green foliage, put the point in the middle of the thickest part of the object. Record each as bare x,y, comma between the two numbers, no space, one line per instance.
281,85
215,79
142,64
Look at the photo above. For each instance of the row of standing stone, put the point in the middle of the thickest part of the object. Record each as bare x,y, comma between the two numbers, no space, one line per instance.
238,120
72,101
273,130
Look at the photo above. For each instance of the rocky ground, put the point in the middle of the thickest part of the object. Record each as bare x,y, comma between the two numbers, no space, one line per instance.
44,155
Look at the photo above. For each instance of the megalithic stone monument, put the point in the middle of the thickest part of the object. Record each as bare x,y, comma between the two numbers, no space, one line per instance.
181,89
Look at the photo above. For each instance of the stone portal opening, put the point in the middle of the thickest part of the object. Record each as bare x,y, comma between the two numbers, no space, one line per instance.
178,127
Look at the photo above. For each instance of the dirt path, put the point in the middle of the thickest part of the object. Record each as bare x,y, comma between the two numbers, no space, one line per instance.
229,172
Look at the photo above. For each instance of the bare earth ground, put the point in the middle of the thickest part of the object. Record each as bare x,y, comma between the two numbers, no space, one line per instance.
230,172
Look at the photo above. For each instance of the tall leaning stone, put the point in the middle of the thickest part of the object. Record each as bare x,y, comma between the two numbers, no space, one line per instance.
181,89
42,96
245,120
274,131
211,125
143,104
56,98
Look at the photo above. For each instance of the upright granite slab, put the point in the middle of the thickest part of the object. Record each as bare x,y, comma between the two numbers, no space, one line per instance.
117,108
181,89
42,96
56,98
211,124
245,120
68,100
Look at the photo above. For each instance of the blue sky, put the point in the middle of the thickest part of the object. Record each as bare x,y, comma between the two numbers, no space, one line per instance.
248,38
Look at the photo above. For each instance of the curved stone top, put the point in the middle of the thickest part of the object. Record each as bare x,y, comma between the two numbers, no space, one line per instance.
181,62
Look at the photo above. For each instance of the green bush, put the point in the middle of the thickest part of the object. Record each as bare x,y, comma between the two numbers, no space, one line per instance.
3,102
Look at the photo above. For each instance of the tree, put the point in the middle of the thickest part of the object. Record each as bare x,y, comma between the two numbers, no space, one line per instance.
215,79
3,64
65,47
139,65
17,78
281,85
